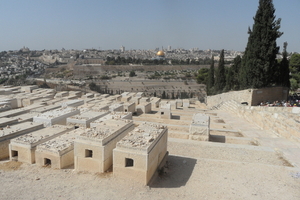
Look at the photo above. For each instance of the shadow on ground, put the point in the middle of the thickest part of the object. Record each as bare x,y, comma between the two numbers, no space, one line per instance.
177,172
175,117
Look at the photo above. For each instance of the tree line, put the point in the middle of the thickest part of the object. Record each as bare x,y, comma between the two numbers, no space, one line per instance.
129,60
259,66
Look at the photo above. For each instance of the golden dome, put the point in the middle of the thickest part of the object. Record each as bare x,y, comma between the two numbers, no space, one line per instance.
160,53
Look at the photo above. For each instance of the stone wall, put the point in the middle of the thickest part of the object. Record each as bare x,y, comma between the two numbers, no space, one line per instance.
283,121
238,96
252,96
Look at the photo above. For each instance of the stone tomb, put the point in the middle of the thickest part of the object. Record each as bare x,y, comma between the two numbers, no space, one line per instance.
185,103
45,109
57,153
15,112
165,111
26,117
129,107
141,153
112,115
4,121
73,103
199,128
10,132
58,116
84,119
93,149
143,108
116,107
23,147
155,102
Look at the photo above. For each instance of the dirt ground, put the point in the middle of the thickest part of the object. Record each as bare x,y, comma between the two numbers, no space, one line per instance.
184,178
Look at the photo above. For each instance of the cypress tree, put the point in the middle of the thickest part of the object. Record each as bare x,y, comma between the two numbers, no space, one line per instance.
229,79
220,80
284,71
235,70
259,63
211,76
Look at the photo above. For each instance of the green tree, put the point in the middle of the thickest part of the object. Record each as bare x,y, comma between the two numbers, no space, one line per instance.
295,63
237,62
211,74
229,79
220,80
202,76
259,63
294,84
132,73
284,71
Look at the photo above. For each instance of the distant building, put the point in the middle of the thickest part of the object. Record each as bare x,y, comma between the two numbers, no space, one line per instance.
122,49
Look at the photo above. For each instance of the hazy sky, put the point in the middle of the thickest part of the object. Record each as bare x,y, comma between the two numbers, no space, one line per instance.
138,24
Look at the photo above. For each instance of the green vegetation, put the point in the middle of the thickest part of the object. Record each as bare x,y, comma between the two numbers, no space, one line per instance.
220,80
259,64
129,60
202,76
294,66
132,74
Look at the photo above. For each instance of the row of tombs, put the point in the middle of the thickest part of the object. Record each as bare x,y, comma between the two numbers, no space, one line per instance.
93,133
114,141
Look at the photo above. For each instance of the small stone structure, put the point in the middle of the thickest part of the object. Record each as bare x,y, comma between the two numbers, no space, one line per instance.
14,112
125,98
58,116
112,115
199,128
185,103
4,121
165,111
22,148
155,102
45,109
143,108
141,153
61,94
129,107
73,103
93,149
10,132
116,107
84,119
57,153
179,103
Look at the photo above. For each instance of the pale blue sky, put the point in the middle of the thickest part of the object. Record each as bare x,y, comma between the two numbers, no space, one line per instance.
138,24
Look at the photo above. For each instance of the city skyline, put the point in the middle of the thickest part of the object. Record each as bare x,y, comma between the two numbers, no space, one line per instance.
138,24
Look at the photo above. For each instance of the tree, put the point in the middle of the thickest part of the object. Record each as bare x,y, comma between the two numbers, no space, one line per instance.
237,62
132,73
294,84
211,74
284,71
259,63
229,79
295,63
220,80
202,76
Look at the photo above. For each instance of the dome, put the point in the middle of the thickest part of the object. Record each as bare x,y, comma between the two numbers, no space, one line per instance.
160,53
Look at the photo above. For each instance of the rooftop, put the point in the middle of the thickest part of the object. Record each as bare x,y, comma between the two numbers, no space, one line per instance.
105,128
61,143
142,136
38,135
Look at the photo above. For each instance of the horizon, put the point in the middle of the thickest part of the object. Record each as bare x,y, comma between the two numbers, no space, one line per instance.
106,25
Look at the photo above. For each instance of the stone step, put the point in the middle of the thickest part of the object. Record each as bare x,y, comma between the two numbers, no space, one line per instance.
225,151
